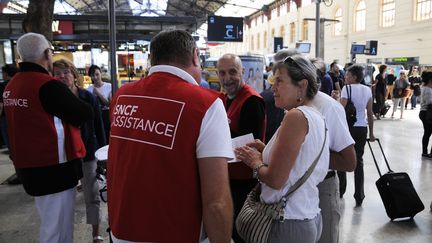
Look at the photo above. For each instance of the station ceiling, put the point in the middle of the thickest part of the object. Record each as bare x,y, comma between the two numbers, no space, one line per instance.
199,9
136,17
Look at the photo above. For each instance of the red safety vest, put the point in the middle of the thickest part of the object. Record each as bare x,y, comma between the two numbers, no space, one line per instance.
240,171
153,180
33,134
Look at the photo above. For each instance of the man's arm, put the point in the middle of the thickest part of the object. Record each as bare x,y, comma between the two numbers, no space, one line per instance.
216,199
370,120
344,160
58,100
252,117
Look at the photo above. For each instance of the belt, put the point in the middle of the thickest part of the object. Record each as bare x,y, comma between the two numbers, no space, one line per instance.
330,174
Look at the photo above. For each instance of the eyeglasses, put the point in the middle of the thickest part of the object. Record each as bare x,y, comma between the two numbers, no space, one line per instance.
50,49
292,62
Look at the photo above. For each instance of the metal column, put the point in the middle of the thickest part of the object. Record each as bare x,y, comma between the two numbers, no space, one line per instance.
113,45
317,29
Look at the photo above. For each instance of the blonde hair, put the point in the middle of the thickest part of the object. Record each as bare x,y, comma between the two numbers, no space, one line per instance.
65,64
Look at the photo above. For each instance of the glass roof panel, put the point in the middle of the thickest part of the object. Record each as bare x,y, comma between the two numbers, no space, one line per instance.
138,7
148,7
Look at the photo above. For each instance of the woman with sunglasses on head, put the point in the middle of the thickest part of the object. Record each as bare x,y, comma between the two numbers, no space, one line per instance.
93,136
290,153
361,97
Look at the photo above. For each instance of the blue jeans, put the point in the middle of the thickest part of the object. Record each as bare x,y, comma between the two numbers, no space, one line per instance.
413,101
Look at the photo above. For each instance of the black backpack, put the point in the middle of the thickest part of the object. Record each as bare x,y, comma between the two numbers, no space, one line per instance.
350,110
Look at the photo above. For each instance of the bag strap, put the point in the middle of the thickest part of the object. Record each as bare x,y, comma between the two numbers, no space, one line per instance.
349,92
306,175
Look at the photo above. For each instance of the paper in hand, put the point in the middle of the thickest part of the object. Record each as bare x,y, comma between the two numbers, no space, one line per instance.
240,142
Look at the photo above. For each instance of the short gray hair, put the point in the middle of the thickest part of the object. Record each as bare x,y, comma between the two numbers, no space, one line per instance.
31,46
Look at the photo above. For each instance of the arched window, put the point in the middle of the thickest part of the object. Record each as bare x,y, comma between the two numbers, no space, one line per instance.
274,13
305,30
338,25
387,13
293,6
282,31
252,43
307,2
284,9
272,33
258,41
360,16
265,39
292,32
423,9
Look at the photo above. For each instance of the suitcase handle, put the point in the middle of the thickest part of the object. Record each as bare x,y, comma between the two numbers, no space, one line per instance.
373,155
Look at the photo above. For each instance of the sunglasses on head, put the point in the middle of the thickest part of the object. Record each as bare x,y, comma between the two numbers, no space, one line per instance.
292,62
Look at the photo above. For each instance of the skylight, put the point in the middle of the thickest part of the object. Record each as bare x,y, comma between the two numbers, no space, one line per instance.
148,7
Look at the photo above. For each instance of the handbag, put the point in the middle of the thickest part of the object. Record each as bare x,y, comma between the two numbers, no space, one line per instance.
350,110
405,93
254,221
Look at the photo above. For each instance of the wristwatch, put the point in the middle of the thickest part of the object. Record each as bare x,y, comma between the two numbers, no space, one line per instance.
256,169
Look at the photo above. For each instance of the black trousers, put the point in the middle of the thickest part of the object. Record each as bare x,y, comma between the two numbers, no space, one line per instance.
106,123
342,182
239,191
427,132
359,134
380,99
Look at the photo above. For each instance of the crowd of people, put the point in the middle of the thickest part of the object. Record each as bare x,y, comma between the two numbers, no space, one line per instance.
170,174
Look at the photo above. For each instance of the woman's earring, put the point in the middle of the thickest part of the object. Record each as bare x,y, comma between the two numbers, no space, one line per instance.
299,100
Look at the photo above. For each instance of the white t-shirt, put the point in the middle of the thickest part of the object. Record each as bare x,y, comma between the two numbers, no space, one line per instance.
360,96
214,139
105,89
303,203
334,114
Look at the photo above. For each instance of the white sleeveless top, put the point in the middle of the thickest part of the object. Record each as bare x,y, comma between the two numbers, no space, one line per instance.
303,203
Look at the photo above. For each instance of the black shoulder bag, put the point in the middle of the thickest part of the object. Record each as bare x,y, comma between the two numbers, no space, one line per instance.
350,110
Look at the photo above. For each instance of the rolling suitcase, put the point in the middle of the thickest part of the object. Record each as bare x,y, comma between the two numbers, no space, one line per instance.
397,191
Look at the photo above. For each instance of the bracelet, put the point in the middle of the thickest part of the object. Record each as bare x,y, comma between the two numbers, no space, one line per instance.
256,170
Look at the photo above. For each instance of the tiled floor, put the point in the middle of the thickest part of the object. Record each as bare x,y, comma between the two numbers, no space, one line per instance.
401,140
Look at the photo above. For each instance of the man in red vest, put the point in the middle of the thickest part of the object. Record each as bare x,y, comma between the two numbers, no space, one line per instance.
43,118
246,114
168,153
